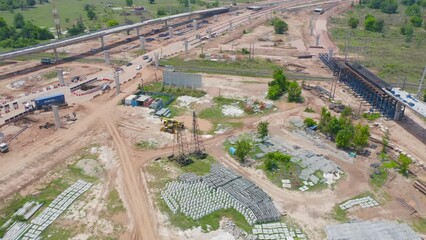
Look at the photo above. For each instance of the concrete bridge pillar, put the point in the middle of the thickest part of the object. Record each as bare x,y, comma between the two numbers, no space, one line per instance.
60,73
166,24
55,52
138,32
107,59
209,33
157,59
186,43
330,54
398,112
102,42
230,25
117,82
142,41
249,19
195,24
170,32
317,38
215,18
55,110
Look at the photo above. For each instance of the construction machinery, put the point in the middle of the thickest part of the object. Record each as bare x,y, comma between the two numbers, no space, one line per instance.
170,125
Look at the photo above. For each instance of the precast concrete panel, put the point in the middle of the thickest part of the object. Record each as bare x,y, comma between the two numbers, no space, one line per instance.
179,79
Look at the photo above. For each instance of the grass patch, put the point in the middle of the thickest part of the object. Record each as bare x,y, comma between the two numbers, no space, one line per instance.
147,145
388,53
249,68
419,225
339,214
199,166
371,116
309,110
215,113
50,75
176,110
114,203
56,232
158,87
379,180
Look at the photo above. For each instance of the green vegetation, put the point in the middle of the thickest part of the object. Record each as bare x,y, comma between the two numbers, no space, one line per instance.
309,122
379,180
262,129
147,145
280,26
278,86
55,232
114,203
247,67
215,113
385,141
371,116
294,92
175,91
402,164
386,6
389,54
419,225
199,166
50,75
309,110
372,24
277,166
339,214
345,133
353,22
243,148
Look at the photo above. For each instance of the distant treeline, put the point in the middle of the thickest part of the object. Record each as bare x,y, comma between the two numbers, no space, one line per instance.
19,4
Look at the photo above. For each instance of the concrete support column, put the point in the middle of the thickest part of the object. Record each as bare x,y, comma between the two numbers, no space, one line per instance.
166,24
317,38
195,24
330,54
55,52
60,73
117,82
102,42
186,43
209,33
230,25
55,110
249,19
138,32
142,41
215,18
312,31
107,60
398,111
157,59
170,32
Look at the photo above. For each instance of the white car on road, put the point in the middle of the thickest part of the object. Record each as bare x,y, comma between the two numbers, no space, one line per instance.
138,67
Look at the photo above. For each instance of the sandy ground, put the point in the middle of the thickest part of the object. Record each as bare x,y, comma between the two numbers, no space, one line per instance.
118,128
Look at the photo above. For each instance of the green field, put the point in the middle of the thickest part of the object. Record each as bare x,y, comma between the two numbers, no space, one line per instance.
387,53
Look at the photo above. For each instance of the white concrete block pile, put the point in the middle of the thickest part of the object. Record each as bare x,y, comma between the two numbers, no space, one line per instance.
286,183
279,231
197,199
365,202
55,209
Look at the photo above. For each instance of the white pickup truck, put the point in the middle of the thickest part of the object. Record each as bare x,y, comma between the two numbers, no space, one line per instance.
4,148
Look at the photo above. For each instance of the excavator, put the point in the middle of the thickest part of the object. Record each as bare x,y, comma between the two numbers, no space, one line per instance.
171,125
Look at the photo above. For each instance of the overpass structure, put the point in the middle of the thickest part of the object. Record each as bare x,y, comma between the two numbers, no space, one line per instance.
101,33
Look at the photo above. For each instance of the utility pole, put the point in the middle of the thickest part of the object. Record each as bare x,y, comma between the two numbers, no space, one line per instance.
421,83
56,20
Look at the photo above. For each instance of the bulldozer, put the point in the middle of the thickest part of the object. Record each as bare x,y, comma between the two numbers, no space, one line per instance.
171,125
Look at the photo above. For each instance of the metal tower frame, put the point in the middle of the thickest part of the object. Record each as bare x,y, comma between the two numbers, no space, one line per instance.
56,19
198,146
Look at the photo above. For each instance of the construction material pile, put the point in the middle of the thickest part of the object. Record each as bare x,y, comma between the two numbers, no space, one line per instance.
221,189
365,202
371,230
277,231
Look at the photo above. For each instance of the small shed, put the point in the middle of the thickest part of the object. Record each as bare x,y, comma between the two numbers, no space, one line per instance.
129,99
144,100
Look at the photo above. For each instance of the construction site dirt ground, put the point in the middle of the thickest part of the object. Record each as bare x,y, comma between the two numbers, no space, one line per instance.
37,155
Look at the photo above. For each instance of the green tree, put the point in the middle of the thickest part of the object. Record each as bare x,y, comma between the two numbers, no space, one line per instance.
280,26
112,23
379,25
270,164
361,136
278,157
161,12
31,3
413,10
347,111
353,22
408,2
243,148
389,6
77,28
262,129
280,79
324,120
375,4
424,96
151,1
334,126
370,22
385,141
129,3
405,164
91,15
344,137
18,20
416,21
274,92
408,31
294,92
309,122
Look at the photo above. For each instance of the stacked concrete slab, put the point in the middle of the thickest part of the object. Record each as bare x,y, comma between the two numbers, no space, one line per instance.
365,202
382,230
279,231
221,189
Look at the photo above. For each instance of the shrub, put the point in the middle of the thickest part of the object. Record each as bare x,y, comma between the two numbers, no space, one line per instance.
309,122
353,22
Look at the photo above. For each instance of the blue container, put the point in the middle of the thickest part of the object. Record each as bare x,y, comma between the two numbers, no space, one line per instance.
232,150
55,99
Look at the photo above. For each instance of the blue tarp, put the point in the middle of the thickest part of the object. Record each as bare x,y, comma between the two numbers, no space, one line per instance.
232,150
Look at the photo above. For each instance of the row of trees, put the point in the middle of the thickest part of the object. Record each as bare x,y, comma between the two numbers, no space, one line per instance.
23,34
386,6
10,5
343,131
371,23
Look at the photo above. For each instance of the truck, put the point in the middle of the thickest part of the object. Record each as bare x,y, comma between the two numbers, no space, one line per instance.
48,101
4,148
47,61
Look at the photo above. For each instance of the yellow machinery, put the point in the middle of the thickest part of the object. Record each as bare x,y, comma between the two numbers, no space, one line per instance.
171,125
